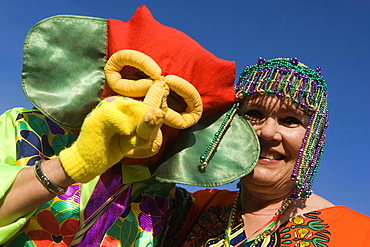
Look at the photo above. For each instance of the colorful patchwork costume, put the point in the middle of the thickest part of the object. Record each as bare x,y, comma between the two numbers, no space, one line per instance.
132,203
162,215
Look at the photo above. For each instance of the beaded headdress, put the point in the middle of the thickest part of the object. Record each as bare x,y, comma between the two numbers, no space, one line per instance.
304,87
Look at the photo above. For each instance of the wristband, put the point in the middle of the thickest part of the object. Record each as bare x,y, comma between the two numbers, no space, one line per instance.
45,180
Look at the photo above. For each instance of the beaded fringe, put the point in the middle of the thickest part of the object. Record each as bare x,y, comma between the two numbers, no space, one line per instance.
287,78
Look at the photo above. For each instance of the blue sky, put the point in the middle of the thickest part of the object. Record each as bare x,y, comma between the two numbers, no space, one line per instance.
331,34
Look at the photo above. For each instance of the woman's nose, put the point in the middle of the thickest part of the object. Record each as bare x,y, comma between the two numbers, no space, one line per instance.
269,130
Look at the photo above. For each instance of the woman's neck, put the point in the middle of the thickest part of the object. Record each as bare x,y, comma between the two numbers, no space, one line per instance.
260,205
263,199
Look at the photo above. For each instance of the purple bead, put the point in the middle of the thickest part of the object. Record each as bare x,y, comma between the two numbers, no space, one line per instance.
280,95
318,70
294,61
304,105
261,61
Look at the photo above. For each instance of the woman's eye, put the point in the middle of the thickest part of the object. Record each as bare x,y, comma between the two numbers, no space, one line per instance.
254,115
291,121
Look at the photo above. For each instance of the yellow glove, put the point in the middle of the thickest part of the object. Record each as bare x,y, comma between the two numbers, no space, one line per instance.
107,135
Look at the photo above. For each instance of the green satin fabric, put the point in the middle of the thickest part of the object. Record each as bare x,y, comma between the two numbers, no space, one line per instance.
235,157
63,67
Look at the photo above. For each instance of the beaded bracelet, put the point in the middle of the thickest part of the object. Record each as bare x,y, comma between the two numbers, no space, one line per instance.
45,180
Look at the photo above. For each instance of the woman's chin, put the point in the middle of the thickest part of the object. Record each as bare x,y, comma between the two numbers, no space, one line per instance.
265,175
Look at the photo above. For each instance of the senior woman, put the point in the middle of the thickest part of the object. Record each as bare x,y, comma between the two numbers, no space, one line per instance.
286,103
276,155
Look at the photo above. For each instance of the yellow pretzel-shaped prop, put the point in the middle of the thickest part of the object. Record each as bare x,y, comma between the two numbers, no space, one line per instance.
156,89
157,97
126,87
194,108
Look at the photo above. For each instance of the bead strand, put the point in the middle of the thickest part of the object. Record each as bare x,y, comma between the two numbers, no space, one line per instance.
306,88
204,159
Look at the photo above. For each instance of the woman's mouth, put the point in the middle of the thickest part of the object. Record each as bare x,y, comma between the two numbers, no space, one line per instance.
271,155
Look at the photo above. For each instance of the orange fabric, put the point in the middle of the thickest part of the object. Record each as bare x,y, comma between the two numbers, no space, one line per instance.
211,197
347,227
334,226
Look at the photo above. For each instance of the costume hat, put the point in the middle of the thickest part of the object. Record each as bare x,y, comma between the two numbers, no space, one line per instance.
63,75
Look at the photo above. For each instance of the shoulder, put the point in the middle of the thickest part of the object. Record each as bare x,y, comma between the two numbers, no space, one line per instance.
313,203
347,225
10,115
342,213
316,202
330,211
332,226
8,151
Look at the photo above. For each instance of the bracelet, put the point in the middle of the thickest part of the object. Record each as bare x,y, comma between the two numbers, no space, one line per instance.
45,180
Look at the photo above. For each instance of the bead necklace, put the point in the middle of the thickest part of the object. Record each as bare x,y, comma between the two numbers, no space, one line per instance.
266,227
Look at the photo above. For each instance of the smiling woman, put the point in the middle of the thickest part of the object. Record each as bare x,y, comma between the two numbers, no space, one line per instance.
280,128
286,103
77,147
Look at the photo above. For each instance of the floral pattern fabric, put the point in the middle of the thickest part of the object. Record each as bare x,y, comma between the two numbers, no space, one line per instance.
333,226
151,220
303,230
164,214
53,224
56,222
37,137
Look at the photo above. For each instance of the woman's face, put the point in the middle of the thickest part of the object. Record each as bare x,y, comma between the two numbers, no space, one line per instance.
280,128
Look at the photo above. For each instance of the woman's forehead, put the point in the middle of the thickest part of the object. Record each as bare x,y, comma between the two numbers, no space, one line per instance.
272,102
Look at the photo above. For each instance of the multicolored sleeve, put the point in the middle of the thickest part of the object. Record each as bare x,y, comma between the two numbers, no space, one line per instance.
8,170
